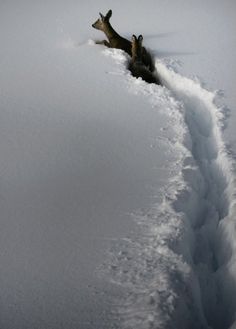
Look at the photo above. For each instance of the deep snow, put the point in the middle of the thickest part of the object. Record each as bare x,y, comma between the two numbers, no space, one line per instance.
117,197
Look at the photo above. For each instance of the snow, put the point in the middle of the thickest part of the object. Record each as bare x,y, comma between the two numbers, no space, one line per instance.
117,196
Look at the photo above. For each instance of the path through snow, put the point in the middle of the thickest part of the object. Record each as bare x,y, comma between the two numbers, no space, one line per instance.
213,200
179,272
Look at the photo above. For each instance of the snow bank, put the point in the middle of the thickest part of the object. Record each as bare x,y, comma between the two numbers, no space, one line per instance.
180,271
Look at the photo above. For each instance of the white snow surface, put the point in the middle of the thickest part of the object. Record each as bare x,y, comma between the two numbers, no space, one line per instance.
117,197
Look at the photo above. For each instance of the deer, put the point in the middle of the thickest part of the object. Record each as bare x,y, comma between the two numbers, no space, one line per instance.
137,67
116,41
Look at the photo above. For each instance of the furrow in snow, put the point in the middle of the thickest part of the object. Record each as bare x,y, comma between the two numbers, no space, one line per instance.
179,271
213,209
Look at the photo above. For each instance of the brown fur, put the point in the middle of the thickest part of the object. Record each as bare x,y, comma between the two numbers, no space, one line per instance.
137,67
116,41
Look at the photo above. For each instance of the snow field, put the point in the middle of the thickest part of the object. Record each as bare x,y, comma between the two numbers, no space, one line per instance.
179,272
82,151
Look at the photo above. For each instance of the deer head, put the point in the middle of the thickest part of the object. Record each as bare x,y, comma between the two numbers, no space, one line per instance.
137,47
102,22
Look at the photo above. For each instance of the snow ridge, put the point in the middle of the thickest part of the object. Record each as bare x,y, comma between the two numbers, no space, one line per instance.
180,271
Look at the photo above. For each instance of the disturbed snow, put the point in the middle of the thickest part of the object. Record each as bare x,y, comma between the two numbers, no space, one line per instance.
180,270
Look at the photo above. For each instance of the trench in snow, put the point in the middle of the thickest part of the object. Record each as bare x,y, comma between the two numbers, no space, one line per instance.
211,195
180,272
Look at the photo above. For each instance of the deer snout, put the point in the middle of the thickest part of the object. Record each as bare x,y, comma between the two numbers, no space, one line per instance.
97,24
94,25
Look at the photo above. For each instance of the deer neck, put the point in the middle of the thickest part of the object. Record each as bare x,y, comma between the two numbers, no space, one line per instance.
110,32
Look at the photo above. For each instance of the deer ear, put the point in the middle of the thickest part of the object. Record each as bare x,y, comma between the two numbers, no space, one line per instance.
109,14
134,38
102,17
140,38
